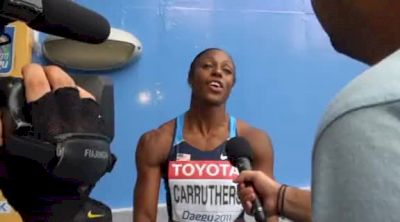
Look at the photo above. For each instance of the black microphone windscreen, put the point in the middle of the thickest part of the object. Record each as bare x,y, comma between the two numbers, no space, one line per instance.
238,147
67,19
239,153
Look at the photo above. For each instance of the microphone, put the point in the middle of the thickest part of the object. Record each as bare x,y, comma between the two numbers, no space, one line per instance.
57,17
240,155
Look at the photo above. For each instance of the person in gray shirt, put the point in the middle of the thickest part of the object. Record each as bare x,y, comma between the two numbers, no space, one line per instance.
356,157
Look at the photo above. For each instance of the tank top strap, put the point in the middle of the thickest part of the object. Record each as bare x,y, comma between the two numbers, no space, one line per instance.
232,127
179,123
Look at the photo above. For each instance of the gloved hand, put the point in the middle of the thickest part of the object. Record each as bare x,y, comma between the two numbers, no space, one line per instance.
55,106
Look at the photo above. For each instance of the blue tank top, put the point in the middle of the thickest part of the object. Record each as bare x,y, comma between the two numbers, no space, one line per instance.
199,183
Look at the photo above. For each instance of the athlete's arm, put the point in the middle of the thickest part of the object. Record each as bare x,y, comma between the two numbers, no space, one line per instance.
263,156
150,154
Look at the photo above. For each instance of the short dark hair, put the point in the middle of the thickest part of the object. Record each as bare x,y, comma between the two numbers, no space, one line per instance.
194,61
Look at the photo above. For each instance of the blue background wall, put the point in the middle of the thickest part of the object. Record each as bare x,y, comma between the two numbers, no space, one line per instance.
287,74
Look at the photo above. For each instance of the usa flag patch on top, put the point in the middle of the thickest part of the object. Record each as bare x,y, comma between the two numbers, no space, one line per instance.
182,157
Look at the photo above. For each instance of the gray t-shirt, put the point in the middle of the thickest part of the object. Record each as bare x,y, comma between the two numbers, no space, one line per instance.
356,158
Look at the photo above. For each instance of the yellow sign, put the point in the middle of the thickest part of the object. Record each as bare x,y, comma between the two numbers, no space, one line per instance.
13,57
7,213
18,53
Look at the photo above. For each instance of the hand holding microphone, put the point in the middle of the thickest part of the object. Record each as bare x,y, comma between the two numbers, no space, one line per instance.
240,155
257,191
263,186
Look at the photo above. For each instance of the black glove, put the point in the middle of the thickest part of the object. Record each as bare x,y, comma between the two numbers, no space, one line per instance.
28,185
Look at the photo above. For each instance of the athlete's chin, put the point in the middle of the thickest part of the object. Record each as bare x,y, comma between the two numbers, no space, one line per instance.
216,100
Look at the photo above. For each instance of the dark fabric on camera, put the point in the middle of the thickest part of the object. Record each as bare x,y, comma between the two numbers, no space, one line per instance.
28,187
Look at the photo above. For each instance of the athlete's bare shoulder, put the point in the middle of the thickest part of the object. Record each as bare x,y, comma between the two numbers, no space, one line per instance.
261,145
250,132
156,143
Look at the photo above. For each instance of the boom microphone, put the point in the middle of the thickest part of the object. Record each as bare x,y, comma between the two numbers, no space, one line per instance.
57,17
239,154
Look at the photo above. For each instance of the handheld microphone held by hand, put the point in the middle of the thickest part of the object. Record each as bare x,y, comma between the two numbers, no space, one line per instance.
57,17
240,155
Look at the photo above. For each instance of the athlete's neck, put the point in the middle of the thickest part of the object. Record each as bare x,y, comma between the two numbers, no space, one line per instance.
206,118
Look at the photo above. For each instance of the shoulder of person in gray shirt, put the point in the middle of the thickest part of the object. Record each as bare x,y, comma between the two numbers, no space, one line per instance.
356,158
